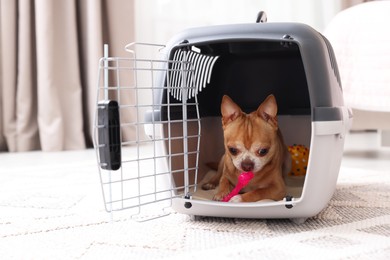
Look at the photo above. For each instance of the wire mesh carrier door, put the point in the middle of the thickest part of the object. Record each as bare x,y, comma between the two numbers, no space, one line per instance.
147,130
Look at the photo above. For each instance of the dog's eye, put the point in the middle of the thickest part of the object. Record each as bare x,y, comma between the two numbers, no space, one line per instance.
262,152
233,151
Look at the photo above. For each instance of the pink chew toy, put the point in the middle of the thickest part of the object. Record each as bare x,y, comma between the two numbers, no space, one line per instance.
243,179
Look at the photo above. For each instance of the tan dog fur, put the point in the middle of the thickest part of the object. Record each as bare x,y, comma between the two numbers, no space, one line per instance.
253,142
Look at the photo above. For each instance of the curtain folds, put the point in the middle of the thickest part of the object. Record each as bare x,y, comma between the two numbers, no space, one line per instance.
49,53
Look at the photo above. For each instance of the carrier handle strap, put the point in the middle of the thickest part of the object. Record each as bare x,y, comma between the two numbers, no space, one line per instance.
261,17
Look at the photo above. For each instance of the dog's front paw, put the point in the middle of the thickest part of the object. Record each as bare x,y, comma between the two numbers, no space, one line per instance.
220,195
208,186
236,199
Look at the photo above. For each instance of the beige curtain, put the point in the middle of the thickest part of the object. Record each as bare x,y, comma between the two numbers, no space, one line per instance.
49,52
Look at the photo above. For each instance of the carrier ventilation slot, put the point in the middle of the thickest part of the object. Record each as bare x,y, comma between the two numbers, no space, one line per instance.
187,85
333,62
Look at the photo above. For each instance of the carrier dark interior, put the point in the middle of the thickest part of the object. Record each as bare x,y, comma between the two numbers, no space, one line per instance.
250,70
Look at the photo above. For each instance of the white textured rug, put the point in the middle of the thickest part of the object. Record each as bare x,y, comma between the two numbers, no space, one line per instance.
54,210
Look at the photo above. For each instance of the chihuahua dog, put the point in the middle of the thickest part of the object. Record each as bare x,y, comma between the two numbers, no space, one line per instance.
253,142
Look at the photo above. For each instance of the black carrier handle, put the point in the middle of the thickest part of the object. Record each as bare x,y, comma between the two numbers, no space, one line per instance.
109,135
261,17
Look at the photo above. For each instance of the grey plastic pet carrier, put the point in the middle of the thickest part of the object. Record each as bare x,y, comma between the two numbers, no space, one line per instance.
172,107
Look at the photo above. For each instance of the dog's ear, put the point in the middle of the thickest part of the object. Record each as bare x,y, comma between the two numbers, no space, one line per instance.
230,110
268,109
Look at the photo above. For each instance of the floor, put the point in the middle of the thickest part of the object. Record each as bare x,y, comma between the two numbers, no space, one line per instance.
57,209
361,150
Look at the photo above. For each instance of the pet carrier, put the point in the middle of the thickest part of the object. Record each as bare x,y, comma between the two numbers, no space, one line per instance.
176,100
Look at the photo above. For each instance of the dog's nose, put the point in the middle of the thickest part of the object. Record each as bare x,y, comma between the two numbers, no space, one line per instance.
247,165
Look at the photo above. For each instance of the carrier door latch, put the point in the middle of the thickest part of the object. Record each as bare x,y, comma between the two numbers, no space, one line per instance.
109,140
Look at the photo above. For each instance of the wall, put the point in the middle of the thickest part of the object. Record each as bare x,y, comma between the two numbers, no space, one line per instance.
157,21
